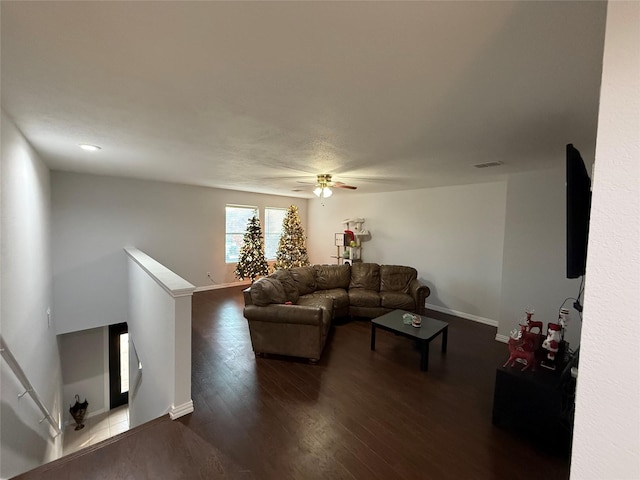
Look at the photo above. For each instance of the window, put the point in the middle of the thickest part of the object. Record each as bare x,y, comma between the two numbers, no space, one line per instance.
273,218
237,218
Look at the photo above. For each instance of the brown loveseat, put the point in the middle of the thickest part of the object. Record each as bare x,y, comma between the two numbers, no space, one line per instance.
290,311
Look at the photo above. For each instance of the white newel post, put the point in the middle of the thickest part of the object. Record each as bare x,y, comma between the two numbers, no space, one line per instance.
182,403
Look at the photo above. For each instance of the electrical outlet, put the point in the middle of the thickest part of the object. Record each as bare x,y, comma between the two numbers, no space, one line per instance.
208,274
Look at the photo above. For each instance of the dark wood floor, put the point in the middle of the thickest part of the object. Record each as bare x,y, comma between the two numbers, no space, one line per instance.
357,414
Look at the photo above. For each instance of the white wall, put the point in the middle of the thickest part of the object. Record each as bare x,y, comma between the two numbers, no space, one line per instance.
453,236
534,265
606,441
487,251
83,369
25,298
94,217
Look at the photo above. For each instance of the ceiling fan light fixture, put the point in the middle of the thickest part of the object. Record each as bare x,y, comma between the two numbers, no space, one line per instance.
322,191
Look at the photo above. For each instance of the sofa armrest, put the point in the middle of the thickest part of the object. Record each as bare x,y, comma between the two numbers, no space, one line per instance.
280,313
419,293
246,293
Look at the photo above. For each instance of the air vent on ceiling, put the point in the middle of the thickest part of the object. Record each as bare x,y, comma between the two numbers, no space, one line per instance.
488,164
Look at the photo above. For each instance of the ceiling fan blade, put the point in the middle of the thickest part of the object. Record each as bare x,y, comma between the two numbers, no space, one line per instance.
343,185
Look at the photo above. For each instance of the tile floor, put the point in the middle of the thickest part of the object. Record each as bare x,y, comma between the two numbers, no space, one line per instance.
100,427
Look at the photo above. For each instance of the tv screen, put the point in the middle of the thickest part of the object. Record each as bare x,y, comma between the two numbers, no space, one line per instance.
578,211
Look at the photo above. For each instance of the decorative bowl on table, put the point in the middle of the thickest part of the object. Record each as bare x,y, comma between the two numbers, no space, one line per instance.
412,319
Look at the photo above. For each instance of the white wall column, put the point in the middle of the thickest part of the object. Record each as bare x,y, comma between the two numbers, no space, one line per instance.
606,439
160,338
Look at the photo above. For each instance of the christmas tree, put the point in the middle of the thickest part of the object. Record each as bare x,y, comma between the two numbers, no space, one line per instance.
251,262
292,251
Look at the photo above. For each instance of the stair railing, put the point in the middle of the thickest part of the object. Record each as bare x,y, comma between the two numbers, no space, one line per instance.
28,387
138,379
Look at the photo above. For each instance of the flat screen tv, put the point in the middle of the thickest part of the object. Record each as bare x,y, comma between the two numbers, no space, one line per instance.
578,212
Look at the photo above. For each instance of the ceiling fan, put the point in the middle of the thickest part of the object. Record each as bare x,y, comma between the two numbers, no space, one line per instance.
324,184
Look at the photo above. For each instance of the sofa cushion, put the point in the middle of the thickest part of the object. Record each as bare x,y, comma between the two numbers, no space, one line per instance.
402,301
396,278
339,296
365,275
360,297
305,279
267,290
289,284
332,276
316,301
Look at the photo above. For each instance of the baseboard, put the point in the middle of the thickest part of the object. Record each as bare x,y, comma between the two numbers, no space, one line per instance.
181,410
466,316
218,286
502,338
96,412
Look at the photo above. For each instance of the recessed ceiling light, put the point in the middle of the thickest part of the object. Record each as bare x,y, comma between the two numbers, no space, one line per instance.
88,147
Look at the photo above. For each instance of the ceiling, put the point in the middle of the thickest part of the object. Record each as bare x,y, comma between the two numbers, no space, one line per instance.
258,96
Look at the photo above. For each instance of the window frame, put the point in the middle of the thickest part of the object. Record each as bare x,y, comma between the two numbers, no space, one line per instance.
228,259
265,231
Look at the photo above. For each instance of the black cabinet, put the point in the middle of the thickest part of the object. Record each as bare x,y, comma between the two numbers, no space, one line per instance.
536,404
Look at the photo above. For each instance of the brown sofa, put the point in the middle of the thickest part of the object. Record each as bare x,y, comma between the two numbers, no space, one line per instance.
290,311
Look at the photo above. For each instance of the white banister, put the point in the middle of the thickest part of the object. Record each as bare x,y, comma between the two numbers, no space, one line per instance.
28,388
172,283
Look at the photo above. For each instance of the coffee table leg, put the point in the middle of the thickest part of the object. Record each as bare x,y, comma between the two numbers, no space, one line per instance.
424,355
445,335
373,336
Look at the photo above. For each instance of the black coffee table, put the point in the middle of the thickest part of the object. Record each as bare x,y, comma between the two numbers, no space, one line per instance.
429,329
